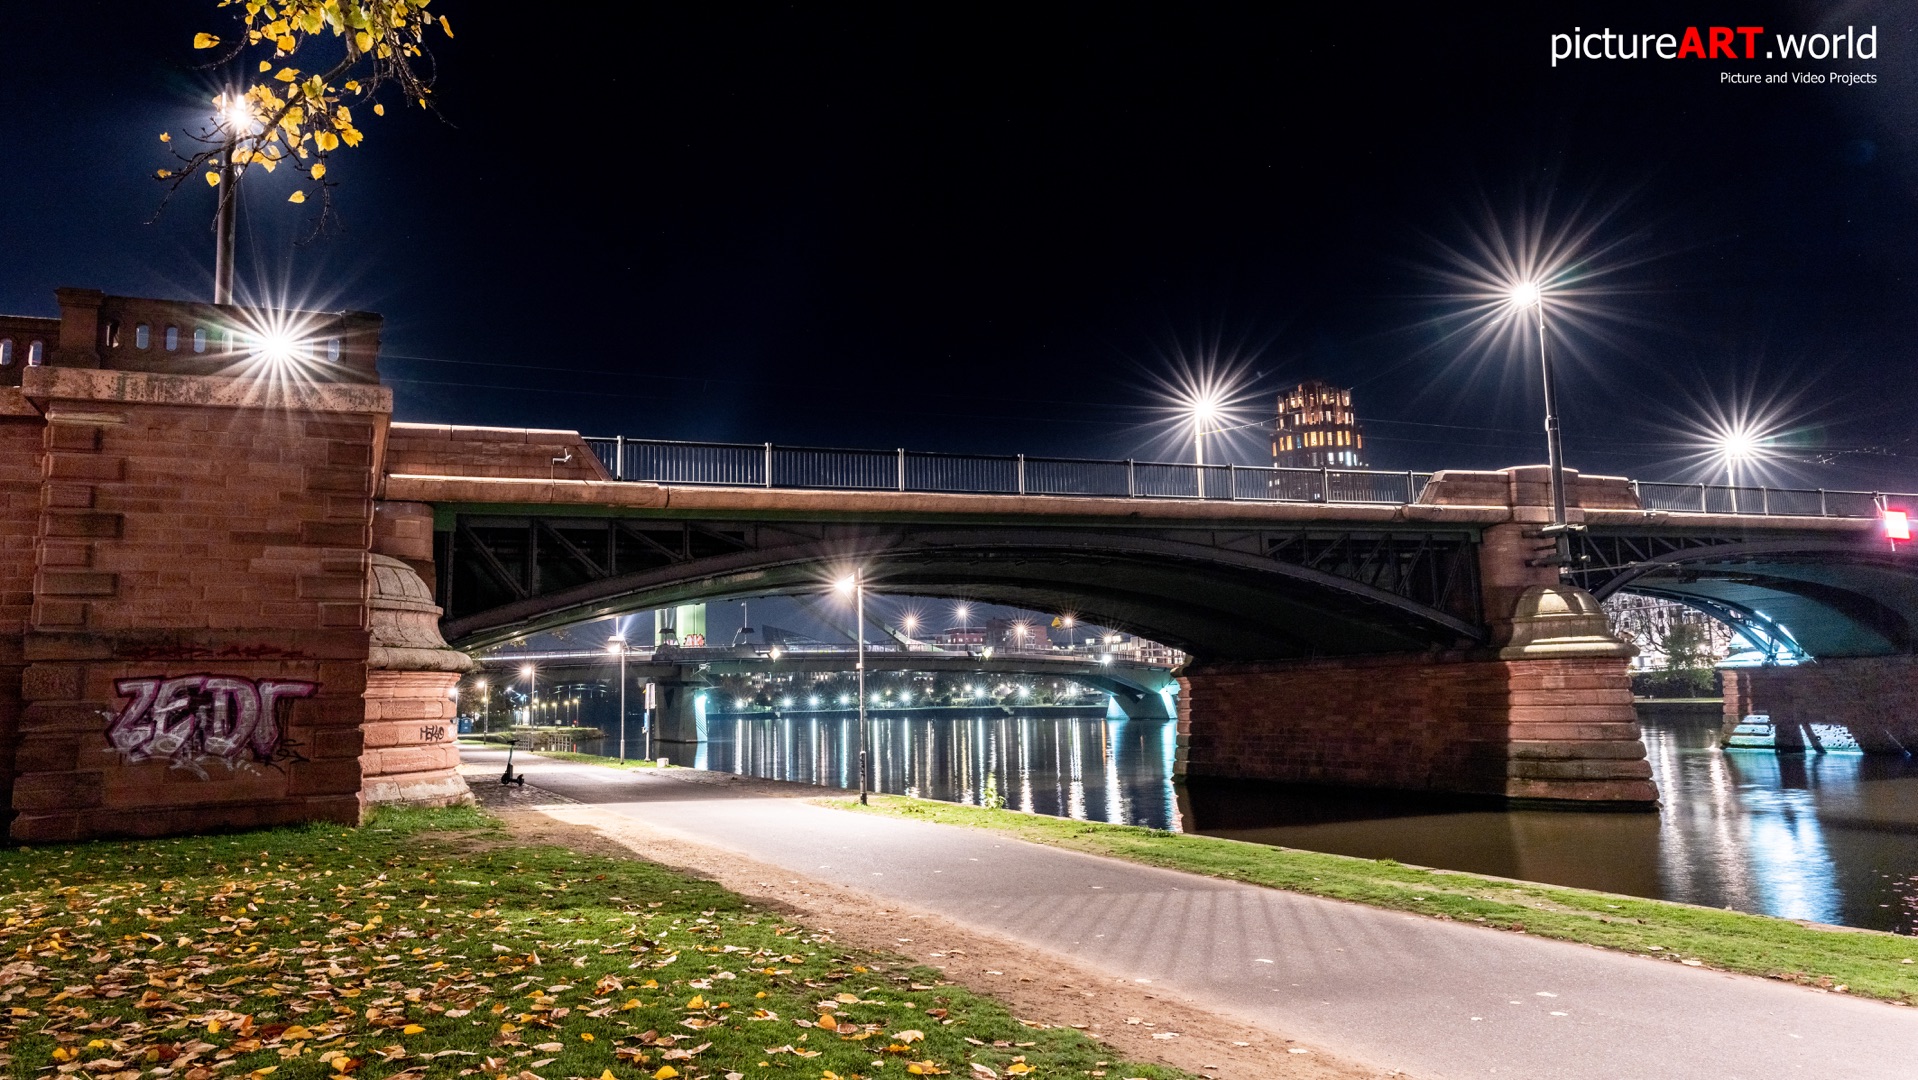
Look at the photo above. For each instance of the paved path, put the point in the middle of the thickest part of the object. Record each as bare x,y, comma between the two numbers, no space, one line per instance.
1437,999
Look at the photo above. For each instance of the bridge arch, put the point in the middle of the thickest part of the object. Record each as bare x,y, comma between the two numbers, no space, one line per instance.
1246,594
1834,597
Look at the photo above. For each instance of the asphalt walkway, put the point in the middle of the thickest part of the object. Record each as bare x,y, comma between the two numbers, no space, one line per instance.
1436,999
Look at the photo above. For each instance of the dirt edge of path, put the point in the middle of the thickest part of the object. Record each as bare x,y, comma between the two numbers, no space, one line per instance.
1143,1023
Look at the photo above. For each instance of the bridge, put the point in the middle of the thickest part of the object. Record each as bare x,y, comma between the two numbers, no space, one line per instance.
234,582
1141,691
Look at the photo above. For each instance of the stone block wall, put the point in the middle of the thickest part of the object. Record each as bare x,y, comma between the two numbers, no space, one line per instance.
412,749
21,434
447,450
1872,697
1555,729
196,648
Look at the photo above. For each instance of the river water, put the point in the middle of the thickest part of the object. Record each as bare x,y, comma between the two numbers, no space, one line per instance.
1831,838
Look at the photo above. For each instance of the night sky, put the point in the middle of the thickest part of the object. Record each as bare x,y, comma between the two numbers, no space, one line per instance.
968,227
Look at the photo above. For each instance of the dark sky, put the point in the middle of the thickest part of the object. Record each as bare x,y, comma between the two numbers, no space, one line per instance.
975,227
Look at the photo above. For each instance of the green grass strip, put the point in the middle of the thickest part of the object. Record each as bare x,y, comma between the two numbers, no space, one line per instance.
1863,962
431,943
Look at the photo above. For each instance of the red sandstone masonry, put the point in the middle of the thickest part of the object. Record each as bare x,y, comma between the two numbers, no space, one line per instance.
1872,697
1544,729
441,450
186,529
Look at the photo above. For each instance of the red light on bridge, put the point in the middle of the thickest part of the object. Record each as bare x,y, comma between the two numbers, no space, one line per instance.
1897,524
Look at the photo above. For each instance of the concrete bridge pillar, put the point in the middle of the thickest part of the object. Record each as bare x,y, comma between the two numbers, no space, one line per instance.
1868,697
678,716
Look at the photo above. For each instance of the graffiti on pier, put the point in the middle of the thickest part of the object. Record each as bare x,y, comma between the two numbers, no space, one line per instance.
189,720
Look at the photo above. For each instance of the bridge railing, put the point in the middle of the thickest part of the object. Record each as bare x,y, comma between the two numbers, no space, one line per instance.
1769,501
825,468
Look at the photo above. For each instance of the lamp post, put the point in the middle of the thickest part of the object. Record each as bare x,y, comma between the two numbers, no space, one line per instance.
532,694
486,707
1524,295
855,585
234,116
617,644
1736,446
1204,410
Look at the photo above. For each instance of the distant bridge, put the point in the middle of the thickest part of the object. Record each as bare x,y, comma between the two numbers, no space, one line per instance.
1140,690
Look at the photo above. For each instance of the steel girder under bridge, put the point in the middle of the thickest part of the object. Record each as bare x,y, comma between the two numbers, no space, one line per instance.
1218,591
1818,593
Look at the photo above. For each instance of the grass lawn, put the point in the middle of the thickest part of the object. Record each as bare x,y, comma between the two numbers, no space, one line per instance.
429,943
1860,962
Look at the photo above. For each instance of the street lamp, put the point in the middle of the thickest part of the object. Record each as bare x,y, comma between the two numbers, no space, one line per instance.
234,119
854,585
486,707
617,644
527,672
1736,446
1530,295
910,624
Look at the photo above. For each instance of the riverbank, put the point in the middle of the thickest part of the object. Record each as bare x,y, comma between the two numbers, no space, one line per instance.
1860,962
436,941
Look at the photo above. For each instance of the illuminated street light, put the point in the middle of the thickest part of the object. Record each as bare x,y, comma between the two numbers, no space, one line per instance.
854,585
532,692
1528,297
617,645
963,612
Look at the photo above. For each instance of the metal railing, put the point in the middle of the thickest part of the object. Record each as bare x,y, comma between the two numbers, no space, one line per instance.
1769,501
765,465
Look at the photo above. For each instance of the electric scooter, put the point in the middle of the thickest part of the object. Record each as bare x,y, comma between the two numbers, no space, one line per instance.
510,777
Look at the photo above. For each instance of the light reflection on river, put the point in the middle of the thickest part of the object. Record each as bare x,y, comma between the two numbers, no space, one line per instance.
1830,838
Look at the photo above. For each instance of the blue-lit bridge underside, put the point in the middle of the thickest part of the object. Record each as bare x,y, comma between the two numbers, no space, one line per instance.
1138,689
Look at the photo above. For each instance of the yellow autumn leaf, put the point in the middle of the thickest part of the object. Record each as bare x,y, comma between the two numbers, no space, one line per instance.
164,173
666,1072
606,1074
204,41
166,136
297,197
285,44
411,1029
826,1021
328,141
266,65
1018,1068
212,179
296,1033
319,170
586,1036
378,109
363,41
212,1027
631,1004
696,1003
910,1035
446,26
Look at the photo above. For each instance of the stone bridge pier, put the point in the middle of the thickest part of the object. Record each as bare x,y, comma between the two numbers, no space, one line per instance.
198,634
1868,697
1543,712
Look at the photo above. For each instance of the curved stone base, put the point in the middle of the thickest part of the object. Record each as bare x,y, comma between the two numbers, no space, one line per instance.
410,753
416,789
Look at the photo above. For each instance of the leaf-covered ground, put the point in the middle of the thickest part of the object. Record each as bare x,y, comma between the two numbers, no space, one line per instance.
1863,962
429,944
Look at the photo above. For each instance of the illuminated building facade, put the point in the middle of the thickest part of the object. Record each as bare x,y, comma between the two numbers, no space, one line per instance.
1316,429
